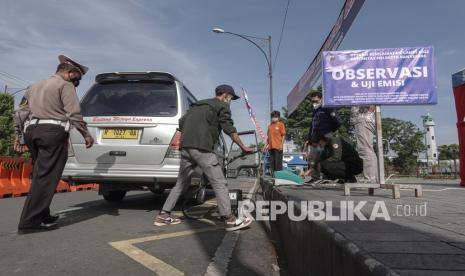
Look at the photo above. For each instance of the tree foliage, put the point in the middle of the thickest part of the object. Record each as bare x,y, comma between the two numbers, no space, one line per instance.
448,152
406,141
6,124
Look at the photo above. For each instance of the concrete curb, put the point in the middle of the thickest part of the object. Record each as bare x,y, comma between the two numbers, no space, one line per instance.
314,248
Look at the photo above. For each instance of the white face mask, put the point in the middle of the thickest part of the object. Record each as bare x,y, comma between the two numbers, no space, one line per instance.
274,119
227,100
316,105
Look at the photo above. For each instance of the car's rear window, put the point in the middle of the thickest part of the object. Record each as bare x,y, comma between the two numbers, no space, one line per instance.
131,99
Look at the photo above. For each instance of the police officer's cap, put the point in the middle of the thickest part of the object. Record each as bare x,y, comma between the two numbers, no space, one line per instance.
82,69
224,88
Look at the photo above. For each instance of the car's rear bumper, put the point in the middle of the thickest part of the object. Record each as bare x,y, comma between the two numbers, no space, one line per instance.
75,172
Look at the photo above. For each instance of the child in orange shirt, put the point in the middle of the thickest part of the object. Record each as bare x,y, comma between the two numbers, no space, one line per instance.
275,143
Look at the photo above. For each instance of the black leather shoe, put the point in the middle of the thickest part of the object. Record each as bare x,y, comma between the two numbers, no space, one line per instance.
39,228
50,219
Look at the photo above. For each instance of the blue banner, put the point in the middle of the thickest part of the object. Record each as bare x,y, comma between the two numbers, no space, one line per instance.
391,76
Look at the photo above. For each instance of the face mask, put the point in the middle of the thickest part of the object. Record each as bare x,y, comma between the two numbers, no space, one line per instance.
75,80
227,100
274,120
316,105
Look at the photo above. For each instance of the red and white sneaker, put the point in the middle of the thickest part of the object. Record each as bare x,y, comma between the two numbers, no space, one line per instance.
234,223
166,219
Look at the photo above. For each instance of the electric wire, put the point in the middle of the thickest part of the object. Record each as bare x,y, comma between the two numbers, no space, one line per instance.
14,77
281,35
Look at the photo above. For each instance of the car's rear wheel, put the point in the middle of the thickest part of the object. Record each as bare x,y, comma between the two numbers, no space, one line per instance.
114,196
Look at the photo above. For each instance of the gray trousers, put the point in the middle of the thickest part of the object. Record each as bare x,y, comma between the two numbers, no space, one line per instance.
364,136
207,161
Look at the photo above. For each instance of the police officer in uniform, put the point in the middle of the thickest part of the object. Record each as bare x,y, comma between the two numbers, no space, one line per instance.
42,122
338,159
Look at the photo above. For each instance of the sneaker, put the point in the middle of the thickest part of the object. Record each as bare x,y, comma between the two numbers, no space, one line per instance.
166,219
234,223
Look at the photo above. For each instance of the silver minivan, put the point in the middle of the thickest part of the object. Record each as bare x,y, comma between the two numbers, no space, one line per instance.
133,117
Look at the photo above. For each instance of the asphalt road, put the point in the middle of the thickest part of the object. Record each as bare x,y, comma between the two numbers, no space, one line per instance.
100,238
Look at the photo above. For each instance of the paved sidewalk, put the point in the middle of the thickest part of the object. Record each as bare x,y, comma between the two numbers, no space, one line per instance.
412,242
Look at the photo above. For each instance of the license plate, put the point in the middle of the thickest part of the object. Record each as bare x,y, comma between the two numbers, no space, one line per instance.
120,133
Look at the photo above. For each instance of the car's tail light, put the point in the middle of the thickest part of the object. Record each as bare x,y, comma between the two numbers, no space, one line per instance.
175,146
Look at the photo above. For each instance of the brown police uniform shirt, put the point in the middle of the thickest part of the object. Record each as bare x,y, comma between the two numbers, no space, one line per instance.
53,99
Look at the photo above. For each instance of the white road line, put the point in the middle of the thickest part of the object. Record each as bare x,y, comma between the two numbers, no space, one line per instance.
69,210
219,264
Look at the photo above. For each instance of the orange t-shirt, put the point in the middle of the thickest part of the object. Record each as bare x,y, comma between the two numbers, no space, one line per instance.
276,132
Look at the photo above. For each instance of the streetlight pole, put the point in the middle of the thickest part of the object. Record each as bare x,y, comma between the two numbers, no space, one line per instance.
268,57
270,75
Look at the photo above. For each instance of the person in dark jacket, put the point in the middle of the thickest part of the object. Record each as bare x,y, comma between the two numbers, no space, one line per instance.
325,121
200,130
338,159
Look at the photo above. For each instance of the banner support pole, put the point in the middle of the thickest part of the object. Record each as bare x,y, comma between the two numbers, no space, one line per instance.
379,143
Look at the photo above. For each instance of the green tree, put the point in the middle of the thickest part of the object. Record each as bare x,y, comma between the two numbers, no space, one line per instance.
6,124
406,141
448,152
298,123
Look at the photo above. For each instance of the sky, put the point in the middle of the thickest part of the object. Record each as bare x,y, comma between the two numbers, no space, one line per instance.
176,36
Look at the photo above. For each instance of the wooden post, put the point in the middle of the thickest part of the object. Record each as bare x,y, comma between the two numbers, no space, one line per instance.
379,142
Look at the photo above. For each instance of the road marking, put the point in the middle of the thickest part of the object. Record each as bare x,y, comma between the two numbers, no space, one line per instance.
147,260
69,210
151,262
219,264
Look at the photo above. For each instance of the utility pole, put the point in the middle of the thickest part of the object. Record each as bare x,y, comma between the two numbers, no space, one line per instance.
268,57
270,74
6,88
